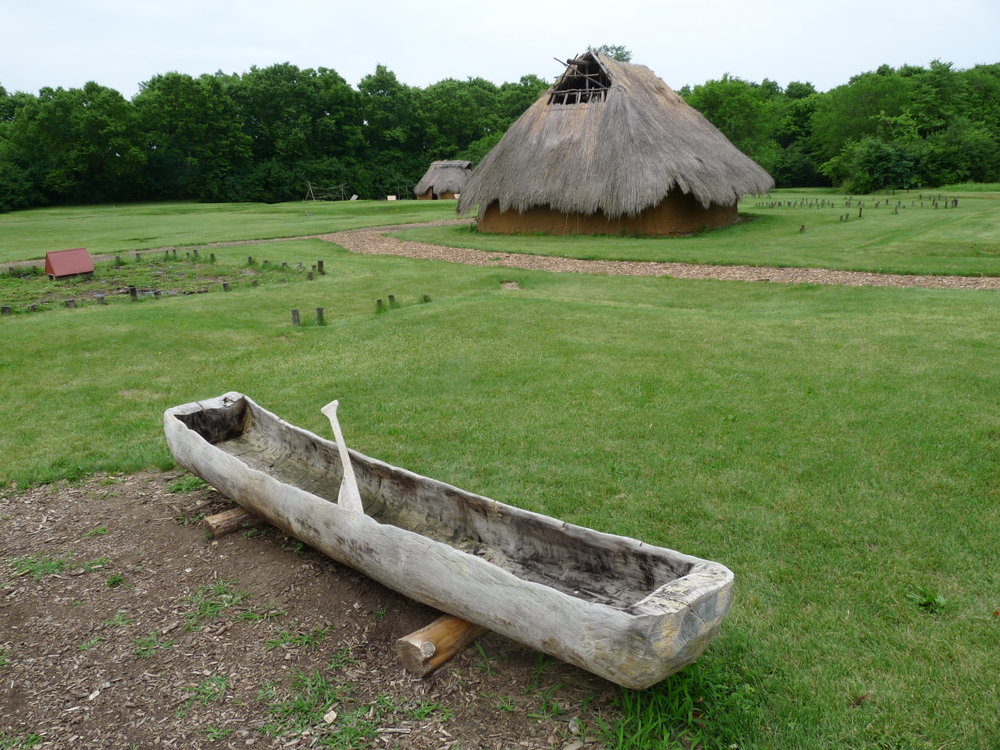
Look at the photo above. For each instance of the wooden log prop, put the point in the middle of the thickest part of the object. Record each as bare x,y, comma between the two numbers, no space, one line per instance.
228,521
424,650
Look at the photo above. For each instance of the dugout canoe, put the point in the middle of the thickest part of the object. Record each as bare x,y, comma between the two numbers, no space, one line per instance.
628,611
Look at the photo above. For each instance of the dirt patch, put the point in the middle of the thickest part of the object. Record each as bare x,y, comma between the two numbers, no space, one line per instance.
122,626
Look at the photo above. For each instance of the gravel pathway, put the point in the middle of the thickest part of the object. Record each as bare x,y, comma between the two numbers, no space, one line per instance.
371,241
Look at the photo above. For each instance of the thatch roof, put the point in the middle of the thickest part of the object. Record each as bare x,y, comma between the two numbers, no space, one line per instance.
445,177
628,142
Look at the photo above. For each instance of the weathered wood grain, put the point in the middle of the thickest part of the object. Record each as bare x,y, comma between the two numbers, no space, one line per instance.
628,611
424,650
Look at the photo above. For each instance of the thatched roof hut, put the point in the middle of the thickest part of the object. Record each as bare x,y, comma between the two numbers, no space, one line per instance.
444,179
610,149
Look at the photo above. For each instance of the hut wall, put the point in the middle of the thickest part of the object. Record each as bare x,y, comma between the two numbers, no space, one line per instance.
678,213
429,195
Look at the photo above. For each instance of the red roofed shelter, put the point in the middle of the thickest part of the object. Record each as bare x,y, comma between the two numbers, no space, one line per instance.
59,263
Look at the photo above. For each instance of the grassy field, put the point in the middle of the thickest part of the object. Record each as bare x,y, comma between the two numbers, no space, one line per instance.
138,226
960,241
838,448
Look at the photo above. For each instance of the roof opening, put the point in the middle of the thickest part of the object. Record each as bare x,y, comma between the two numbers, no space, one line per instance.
584,81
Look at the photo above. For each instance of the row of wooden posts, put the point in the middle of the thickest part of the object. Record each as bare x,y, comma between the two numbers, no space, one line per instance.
379,306
851,202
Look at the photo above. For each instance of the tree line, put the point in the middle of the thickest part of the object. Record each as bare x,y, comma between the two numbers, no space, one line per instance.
267,134
889,128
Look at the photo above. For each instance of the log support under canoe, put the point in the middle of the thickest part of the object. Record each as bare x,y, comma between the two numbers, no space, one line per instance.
424,650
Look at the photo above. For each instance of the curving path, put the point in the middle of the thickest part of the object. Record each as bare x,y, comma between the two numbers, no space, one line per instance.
371,241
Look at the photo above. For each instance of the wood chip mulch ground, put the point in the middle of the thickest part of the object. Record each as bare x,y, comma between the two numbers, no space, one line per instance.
122,626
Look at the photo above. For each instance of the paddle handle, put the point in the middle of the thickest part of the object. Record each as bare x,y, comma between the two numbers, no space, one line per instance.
350,496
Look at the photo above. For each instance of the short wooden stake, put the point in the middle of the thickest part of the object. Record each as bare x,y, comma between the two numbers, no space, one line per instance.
138,257
100,298
32,307
166,255
133,293
195,251
295,317
5,310
310,276
427,298
284,264
249,260
175,253
71,303
211,257
157,294
299,266
254,282
428,648
319,316
319,267
378,304
225,286
230,520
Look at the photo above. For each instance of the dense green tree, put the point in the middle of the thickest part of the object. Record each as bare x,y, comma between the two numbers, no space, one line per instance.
83,145
194,138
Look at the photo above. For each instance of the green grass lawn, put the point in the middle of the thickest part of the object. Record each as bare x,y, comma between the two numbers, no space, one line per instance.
838,448
136,226
963,241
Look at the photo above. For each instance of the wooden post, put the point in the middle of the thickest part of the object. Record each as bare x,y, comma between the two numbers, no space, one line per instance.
211,257
71,303
5,310
32,307
319,267
378,305
284,264
157,294
392,300
100,298
249,260
427,298
230,520
195,251
428,648
860,209
295,317
310,276
175,253
133,293
166,255
254,282
265,263
138,257
319,316
225,286
299,266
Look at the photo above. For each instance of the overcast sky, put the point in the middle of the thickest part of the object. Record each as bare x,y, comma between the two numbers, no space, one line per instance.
122,43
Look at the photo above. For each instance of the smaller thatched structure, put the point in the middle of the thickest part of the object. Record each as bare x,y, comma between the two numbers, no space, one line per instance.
610,149
444,180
